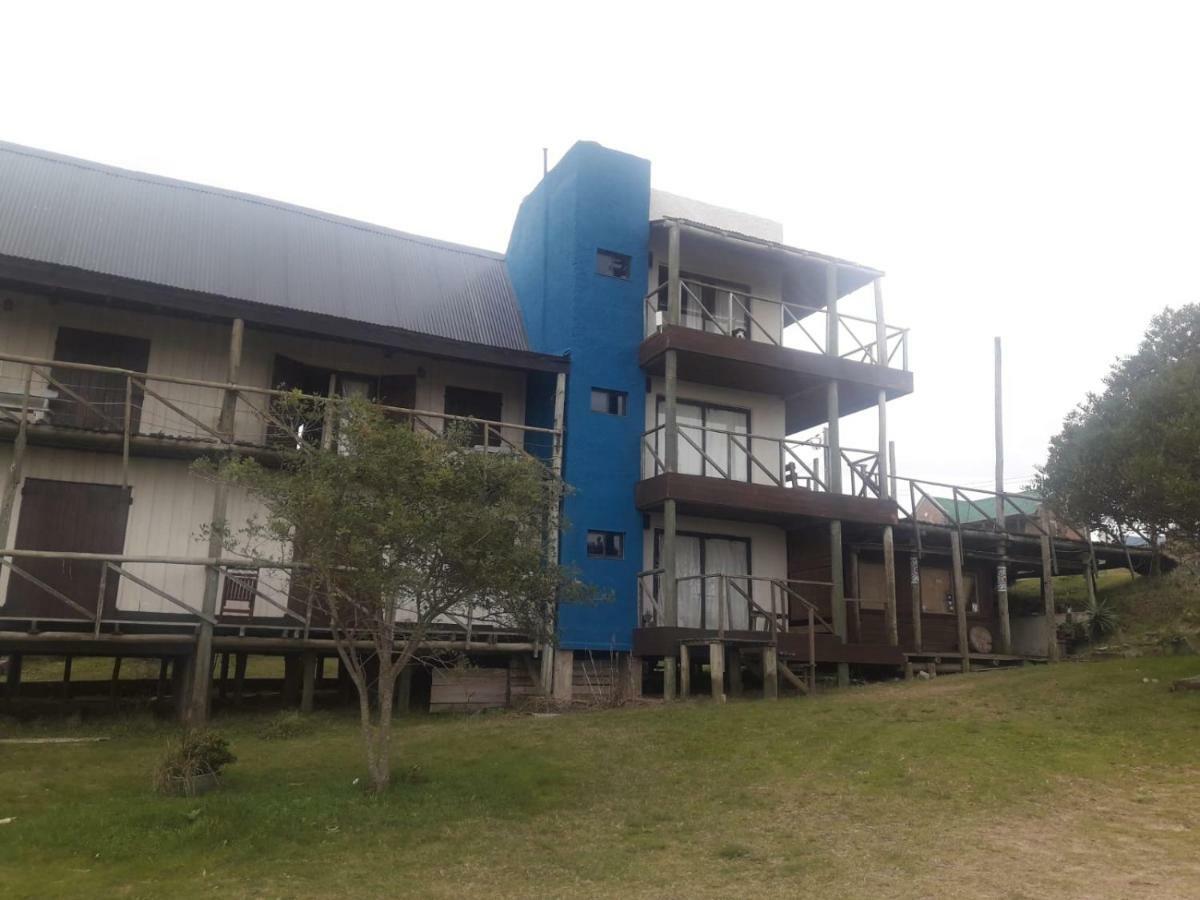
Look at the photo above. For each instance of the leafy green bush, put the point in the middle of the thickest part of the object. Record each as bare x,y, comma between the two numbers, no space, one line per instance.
193,757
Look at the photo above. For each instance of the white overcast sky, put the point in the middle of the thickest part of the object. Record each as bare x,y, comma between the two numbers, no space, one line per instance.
1029,171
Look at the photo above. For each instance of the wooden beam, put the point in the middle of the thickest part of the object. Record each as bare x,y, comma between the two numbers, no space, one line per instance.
891,617
855,593
960,599
239,677
196,713
1051,626
1001,568
670,677
12,677
308,676
770,669
914,580
716,670
402,701
674,298
564,675
685,672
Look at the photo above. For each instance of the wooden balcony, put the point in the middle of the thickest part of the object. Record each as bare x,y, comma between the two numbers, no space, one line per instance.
800,375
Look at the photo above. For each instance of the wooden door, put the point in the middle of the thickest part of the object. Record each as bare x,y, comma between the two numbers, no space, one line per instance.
69,516
104,392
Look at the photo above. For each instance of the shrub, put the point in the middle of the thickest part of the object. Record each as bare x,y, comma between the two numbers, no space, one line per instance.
190,760
282,726
1102,618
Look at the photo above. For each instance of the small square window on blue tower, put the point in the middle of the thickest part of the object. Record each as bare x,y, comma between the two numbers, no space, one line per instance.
612,264
612,403
606,544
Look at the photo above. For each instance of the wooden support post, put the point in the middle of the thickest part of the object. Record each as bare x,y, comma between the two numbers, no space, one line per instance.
1090,575
734,666
114,685
1048,589
160,686
12,688
564,675
855,594
890,615
291,680
670,585
960,598
716,670
892,470
403,696
18,463
1001,568
308,676
223,679
833,475
670,677
239,678
838,595
674,297
183,671
197,707
66,678
770,669
685,672
554,548
914,580
630,672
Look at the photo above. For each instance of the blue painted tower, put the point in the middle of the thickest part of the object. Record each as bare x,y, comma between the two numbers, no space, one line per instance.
577,258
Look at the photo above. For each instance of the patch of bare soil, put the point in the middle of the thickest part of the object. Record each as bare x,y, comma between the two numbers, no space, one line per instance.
1136,840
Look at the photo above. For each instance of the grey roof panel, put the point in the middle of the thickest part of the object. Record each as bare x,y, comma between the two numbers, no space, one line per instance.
70,212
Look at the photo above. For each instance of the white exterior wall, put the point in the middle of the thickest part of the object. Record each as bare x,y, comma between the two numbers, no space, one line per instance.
170,507
768,547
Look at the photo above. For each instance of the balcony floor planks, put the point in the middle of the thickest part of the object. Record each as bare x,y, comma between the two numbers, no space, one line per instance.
718,498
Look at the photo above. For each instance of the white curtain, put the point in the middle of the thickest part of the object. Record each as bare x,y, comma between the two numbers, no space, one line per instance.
689,419
687,562
725,557
728,454
689,306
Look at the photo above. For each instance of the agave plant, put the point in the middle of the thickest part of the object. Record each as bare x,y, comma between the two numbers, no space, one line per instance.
1102,618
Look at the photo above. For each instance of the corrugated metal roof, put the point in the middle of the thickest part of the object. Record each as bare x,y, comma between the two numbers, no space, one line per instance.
70,212
1015,504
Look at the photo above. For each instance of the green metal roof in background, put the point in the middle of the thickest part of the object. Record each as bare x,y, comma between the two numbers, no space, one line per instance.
964,513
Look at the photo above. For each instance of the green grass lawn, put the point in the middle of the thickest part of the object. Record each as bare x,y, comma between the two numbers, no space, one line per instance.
1081,779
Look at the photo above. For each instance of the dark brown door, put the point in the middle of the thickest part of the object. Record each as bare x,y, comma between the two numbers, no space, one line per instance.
99,403
74,517
478,405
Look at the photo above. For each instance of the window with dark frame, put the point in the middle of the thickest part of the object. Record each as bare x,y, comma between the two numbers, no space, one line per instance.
606,545
612,403
612,264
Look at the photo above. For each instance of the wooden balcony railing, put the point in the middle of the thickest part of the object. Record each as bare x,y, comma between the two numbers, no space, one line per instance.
783,462
77,397
125,585
722,310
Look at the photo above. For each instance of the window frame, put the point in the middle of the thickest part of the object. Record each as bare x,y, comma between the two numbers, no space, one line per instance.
606,534
614,256
622,398
704,408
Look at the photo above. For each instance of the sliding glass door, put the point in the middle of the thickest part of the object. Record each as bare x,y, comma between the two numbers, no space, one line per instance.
711,439
699,598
